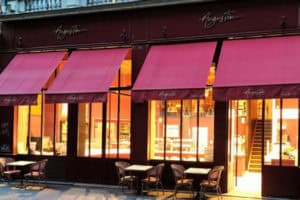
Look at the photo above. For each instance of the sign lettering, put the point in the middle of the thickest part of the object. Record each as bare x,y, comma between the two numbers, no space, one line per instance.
209,20
62,33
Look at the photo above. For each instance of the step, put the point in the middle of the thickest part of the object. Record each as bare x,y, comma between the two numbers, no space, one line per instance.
256,157
254,170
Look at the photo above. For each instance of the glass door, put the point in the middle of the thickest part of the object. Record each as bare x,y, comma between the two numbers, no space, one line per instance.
245,146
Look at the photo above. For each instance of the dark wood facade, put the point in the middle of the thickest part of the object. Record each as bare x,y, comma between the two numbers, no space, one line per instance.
139,29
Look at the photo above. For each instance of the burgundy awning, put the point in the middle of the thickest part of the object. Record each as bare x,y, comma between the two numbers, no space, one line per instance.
258,68
25,76
174,72
86,76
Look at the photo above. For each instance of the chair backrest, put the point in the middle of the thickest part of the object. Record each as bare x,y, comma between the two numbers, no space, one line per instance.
178,171
215,174
43,164
8,160
121,165
2,166
35,167
156,171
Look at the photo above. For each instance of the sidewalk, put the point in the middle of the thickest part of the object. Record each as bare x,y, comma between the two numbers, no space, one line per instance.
90,192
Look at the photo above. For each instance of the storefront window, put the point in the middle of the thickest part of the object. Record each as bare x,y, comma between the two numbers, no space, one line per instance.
89,130
189,128
157,130
206,127
55,129
118,114
38,126
281,132
21,128
111,125
124,128
173,137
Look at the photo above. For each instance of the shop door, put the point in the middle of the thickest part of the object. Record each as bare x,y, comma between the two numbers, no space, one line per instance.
244,149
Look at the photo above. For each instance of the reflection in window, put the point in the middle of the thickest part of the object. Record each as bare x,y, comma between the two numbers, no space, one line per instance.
89,130
282,118
189,128
34,128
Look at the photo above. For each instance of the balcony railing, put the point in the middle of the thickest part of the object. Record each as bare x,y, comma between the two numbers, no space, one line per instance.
28,6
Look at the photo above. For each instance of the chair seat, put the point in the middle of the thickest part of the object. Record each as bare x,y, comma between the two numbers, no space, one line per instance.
128,178
207,183
185,181
10,172
34,174
151,179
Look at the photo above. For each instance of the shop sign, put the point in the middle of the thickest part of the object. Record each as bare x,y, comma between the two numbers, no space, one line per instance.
9,100
165,95
62,33
254,93
210,20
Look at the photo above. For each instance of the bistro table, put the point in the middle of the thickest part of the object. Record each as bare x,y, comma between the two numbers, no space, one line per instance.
138,170
22,164
197,171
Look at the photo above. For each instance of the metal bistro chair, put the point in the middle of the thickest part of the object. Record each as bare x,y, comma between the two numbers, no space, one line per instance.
125,180
213,181
154,177
180,180
37,172
9,172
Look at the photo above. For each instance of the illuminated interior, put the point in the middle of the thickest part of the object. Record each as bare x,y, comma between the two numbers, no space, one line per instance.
182,129
118,114
89,130
44,129
274,120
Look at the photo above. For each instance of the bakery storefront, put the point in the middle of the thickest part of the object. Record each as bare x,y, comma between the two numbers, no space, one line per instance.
209,87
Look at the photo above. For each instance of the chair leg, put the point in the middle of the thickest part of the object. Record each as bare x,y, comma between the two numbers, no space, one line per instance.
191,189
175,191
202,191
162,187
219,191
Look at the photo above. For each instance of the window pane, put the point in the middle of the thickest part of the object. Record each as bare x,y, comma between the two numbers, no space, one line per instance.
126,73
289,145
206,128
173,130
83,130
156,129
21,129
47,143
189,130
124,129
96,130
111,125
61,129
272,131
35,127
